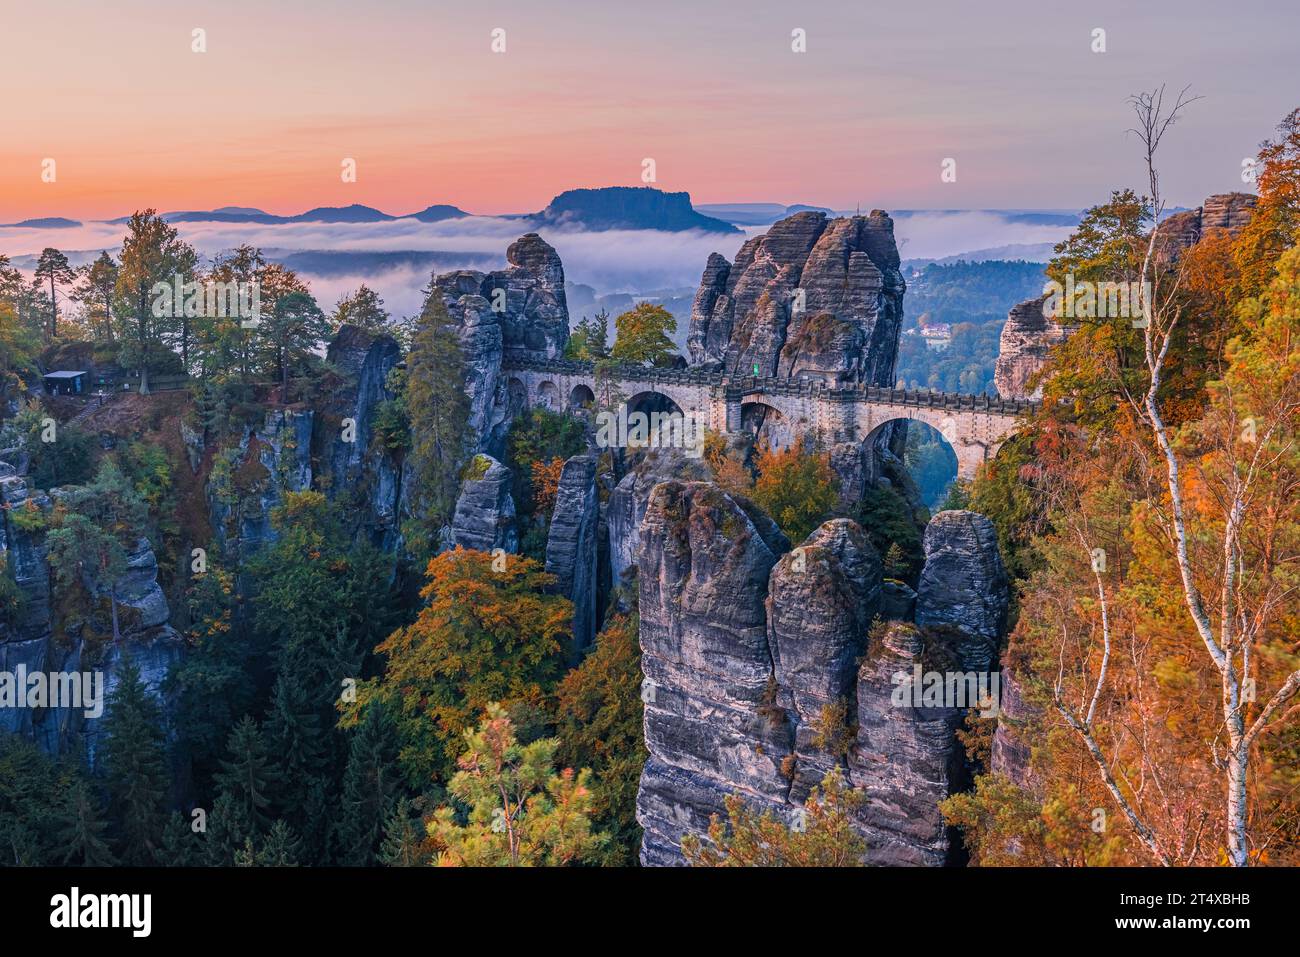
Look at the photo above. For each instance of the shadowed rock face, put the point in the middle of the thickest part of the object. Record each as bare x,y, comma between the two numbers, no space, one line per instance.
628,501
533,313
964,586
821,600
357,470
730,712
905,759
710,726
29,642
518,310
485,511
812,296
571,545
1024,348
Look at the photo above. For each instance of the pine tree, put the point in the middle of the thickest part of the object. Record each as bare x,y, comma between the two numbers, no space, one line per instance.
180,846
82,835
370,787
248,777
404,838
53,267
280,849
439,413
135,768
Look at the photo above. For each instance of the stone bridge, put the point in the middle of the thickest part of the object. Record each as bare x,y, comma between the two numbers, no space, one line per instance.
973,425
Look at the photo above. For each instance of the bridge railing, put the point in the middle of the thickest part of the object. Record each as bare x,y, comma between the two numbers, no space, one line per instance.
740,386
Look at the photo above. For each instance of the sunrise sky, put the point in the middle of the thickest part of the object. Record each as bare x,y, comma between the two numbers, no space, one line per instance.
588,88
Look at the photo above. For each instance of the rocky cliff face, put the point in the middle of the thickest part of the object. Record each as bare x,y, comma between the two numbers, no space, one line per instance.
905,759
1230,211
628,501
484,519
812,296
764,701
821,600
964,586
29,644
1024,348
712,725
519,310
351,469
250,478
527,297
571,546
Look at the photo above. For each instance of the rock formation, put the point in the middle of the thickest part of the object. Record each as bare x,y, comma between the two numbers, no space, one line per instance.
964,586
905,759
628,501
822,597
28,642
251,476
571,545
485,511
1024,348
627,207
526,298
1230,211
352,469
811,297
520,310
712,724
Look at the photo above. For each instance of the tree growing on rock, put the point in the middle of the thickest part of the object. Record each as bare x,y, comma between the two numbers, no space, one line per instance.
819,834
521,810
644,336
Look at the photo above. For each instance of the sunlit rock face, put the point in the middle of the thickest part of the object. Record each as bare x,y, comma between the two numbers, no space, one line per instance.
812,297
1024,348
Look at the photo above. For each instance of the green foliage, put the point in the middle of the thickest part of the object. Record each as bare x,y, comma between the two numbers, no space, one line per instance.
589,340
247,780
135,768
68,460
371,788
538,436
520,810
644,336
49,815
362,308
483,635
599,724
886,517
438,410
211,686
796,487
823,836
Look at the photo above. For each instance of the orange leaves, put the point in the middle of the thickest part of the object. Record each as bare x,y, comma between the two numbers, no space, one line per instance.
546,483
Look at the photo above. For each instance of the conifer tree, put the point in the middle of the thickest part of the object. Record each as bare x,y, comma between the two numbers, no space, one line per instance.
135,768
248,776
438,409
370,787
82,835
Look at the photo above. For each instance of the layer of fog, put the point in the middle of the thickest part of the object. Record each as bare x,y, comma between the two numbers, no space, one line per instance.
620,261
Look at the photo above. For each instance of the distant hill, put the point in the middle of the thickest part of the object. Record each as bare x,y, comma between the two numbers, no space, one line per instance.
627,207
50,222
754,214
435,214
355,213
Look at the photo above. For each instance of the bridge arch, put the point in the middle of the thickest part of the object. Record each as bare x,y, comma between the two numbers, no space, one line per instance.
581,397
548,395
968,452
652,400
766,422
